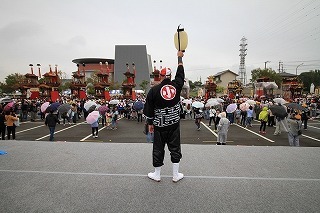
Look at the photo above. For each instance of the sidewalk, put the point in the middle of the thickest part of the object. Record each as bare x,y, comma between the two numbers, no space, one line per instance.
101,177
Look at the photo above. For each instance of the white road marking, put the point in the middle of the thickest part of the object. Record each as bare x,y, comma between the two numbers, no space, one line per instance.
313,127
315,139
256,133
167,176
25,130
64,129
85,138
215,134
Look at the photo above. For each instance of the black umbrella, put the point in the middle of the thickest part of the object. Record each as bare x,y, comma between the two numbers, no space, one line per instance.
295,106
278,111
92,108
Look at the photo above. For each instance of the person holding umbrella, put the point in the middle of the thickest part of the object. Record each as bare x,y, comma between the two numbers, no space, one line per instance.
92,119
162,111
198,117
51,121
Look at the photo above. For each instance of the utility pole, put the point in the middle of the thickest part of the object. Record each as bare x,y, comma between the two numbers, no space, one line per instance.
242,68
280,63
265,64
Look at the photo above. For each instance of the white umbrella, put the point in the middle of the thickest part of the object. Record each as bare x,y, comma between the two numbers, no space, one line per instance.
44,106
89,104
251,102
212,103
197,104
187,101
280,101
220,100
114,101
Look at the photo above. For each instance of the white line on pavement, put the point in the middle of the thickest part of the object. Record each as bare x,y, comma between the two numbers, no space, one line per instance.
85,138
29,129
60,131
256,133
315,139
313,127
168,176
215,134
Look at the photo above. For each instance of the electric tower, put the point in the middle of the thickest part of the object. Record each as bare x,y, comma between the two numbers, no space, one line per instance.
242,69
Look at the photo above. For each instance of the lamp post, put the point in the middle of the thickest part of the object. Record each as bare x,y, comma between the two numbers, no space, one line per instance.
297,68
181,39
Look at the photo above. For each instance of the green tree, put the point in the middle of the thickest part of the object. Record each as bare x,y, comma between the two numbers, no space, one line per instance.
64,86
313,76
191,84
198,84
219,89
269,73
12,82
144,85
115,86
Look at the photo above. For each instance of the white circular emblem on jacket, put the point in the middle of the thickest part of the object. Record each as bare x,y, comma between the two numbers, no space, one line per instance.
168,92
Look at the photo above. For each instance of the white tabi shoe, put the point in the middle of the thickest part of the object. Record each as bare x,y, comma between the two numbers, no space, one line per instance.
176,175
155,175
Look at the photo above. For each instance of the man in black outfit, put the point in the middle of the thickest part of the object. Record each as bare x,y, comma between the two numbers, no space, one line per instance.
51,121
162,110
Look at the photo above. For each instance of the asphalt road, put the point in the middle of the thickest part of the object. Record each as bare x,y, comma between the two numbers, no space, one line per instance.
130,131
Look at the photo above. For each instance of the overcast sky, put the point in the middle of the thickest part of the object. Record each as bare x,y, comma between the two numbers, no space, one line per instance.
56,32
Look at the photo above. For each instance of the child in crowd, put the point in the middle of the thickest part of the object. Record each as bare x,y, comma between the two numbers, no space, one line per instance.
95,129
223,128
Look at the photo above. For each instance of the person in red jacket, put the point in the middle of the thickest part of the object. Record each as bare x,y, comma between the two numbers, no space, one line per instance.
162,110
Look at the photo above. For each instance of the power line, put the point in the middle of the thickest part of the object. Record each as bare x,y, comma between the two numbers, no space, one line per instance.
282,24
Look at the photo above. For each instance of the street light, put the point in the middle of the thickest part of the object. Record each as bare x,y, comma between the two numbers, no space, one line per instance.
297,68
181,39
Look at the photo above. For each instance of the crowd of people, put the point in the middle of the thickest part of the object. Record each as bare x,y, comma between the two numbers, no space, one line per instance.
25,109
247,110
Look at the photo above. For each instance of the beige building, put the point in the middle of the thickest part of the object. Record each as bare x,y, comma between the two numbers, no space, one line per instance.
224,77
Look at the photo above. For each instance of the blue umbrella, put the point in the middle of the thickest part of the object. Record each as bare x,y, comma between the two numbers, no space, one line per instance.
138,105
54,107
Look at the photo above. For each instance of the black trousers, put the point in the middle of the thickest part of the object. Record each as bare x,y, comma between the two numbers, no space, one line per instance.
11,129
171,137
3,131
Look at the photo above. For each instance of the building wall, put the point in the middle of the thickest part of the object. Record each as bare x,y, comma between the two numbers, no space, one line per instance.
129,54
90,69
225,78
